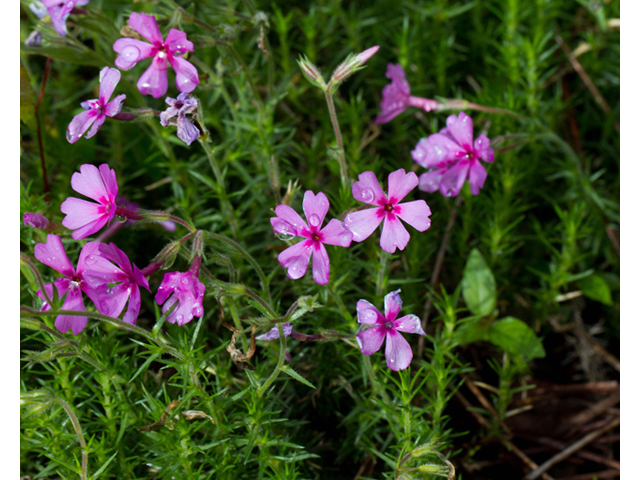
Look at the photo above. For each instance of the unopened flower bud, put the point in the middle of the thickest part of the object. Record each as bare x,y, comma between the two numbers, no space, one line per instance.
35,220
350,65
311,72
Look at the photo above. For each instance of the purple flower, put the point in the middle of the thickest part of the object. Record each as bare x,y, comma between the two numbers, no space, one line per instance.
273,333
362,223
187,290
58,10
52,254
181,106
398,351
454,156
88,217
296,258
154,80
35,220
97,110
396,97
128,277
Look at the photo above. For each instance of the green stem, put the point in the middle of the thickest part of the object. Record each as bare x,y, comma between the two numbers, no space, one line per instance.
78,429
237,322
245,69
382,271
344,172
283,350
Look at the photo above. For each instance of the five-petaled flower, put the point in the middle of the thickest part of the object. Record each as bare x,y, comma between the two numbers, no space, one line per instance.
362,223
154,80
75,282
398,351
88,217
58,10
296,258
454,157
181,106
98,109
184,288
396,97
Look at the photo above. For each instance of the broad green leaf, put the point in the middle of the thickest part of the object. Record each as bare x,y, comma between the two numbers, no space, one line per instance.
596,288
478,285
27,100
67,53
516,337
291,372
472,332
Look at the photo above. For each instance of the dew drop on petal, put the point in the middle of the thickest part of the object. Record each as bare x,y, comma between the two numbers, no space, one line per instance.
367,195
369,315
179,318
284,237
90,260
121,219
185,281
359,342
314,220
130,53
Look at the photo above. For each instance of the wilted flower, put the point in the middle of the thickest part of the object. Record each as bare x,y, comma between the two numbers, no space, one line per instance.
396,97
97,110
154,80
180,107
35,220
296,258
58,10
362,223
454,156
88,217
398,351
184,288
273,334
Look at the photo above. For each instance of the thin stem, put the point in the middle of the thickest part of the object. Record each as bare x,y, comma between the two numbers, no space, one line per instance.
283,350
36,273
344,172
380,283
245,68
237,322
39,129
78,429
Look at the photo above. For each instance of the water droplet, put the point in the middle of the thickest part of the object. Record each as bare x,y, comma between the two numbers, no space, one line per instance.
369,316
391,360
130,53
91,259
179,319
161,54
121,219
314,220
284,237
48,259
367,195
185,281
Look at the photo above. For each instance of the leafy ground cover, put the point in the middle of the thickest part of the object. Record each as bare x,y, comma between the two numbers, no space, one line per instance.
494,350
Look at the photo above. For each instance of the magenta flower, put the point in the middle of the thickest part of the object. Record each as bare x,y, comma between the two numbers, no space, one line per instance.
35,220
362,223
454,156
296,258
75,282
396,97
88,217
273,334
98,109
58,10
180,107
154,80
184,288
398,351
127,276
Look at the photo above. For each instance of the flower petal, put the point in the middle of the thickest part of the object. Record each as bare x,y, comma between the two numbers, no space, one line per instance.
398,351
288,222
409,324
400,184
114,106
368,190
187,131
370,340
186,74
154,80
80,124
111,185
90,183
109,78
321,265
362,224
80,212
482,148
53,255
461,128
368,313
394,102
133,310
335,234
415,213
296,259
477,176
113,301
394,234
146,26
315,208
396,74
430,181
131,51
73,301
392,304
273,334
96,125
454,178
177,43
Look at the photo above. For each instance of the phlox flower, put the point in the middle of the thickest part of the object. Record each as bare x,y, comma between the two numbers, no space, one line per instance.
273,334
154,80
88,217
99,109
396,97
184,288
296,258
454,157
74,282
127,276
180,107
58,10
398,351
362,223
35,220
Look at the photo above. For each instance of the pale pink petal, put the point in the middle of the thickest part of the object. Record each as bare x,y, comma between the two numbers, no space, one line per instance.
80,124
110,183
362,224
112,252
430,181
370,340
415,213
288,221
398,351
362,57
114,106
368,190
461,128
392,304
296,259
400,184
96,125
186,74
166,288
434,151
394,102
73,301
113,301
368,313
90,259
477,176
482,148
321,265
109,78
90,183
146,26
59,15
177,43
133,310
132,51
315,208
396,74
187,131
452,181
425,104
154,80
80,212
393,235
409,324
273,334
53,255
335,234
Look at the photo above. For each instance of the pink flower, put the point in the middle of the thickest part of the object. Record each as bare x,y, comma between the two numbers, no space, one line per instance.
296,258
88,217
184,288
396,97
75,282
274,334
398,351
181,107
362,223
128,277
35,220
154,80
98,109
454,156
58,10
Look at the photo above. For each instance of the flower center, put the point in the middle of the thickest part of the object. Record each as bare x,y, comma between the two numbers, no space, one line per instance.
388,325
388,207
470,155
315,237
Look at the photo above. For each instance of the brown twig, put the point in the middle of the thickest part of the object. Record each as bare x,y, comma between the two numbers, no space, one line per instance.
553,443
594,411
39,129
591,476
